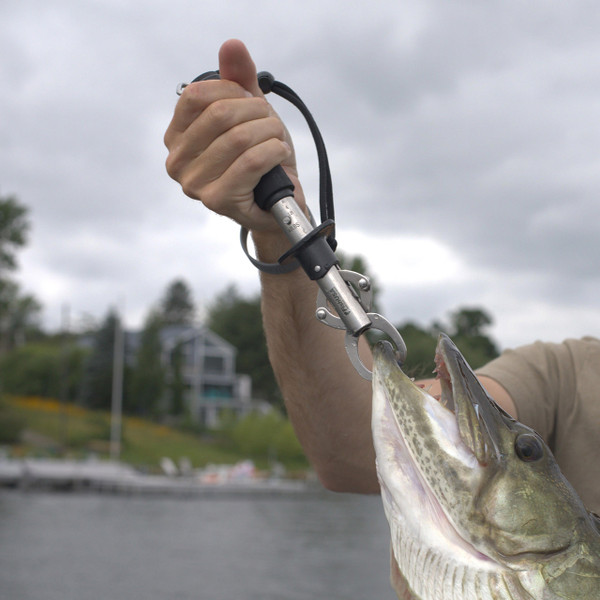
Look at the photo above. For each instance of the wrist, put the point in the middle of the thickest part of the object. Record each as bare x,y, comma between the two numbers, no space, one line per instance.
270,245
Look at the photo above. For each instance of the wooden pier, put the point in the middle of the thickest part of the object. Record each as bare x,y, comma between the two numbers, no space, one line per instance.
117,478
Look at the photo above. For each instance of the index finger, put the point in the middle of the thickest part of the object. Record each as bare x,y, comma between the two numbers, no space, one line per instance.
196,97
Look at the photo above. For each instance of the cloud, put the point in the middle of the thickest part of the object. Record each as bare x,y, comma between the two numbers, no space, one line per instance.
458,129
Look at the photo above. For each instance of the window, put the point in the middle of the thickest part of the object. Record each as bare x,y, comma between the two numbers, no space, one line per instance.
215,392
214,364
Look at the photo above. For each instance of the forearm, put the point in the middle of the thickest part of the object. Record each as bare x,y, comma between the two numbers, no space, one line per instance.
223,137
328,403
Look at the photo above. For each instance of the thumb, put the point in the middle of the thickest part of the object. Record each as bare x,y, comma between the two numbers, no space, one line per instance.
236,64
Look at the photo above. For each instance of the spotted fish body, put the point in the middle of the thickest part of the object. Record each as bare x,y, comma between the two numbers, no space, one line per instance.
477,506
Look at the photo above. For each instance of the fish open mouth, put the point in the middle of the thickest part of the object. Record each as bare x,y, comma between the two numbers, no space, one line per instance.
418,442
479,419
443,376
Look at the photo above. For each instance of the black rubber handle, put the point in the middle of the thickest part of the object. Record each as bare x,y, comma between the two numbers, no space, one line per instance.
274,185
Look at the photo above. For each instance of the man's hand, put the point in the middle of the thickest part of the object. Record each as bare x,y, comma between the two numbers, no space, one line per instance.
224,136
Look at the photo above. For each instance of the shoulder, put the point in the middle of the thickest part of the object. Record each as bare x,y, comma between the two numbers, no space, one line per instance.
555,388
546,360
547,378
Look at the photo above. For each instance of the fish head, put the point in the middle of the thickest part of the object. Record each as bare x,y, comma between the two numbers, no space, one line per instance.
461,474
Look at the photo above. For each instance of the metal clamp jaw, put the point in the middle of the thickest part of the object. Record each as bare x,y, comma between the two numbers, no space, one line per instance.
359,288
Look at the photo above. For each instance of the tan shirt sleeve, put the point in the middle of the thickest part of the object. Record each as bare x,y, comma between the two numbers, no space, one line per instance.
537,377
556,390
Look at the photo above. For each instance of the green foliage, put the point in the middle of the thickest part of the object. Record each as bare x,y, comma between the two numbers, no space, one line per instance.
286,444
264,437
50,368
32,370
11,424
148,376
239,321
177,383
145,443
18,313
93,428
465,327
177,306
254,434
98,376
14,226
420,344
469,322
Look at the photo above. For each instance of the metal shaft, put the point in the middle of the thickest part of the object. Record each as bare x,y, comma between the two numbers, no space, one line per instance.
296,226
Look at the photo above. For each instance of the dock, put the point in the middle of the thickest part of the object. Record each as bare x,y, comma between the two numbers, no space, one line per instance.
116,478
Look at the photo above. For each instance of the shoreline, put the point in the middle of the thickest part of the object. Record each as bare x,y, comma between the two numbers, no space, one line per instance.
106,477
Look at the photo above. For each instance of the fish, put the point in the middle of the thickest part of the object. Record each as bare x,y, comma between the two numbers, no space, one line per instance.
477,506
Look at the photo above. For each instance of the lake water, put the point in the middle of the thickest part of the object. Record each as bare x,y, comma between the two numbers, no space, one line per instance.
95,547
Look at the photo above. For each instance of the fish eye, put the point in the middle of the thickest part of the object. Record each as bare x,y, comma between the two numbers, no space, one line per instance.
529,448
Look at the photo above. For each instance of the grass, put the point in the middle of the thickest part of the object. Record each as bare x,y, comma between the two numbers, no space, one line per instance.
52,429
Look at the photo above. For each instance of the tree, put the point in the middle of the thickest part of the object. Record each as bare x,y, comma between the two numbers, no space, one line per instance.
18,313
465,327
35,369
147,377
177,306
469,322
239,321
176,385
420,343
97,390
13,232
12,424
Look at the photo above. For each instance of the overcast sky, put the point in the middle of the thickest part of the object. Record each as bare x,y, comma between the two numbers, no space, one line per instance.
464,140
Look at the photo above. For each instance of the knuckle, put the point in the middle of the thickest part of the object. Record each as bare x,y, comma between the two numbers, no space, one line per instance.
192,94
189,187
219,112
172,165
278,128
253,161
175,164
167,138
211,199
240,138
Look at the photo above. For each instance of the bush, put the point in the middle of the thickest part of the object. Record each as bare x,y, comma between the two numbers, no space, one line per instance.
286,444
268,436
35,370
11,425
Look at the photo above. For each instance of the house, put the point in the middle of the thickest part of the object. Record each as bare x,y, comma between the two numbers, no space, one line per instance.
206,369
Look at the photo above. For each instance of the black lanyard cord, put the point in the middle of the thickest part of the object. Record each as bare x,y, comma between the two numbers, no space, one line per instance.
268,84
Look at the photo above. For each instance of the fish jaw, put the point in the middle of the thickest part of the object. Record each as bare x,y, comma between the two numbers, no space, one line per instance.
415,436
481,422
